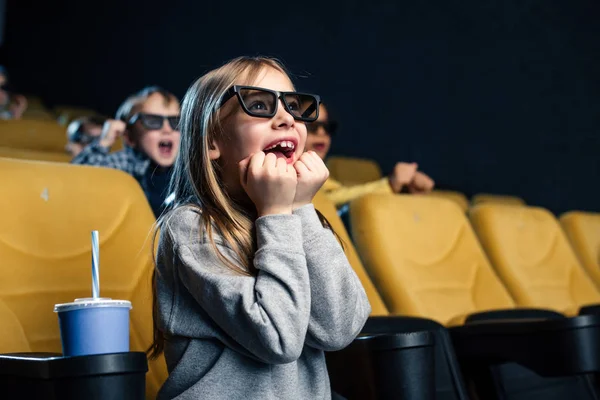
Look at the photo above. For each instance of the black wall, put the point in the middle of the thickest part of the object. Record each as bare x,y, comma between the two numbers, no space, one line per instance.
487,95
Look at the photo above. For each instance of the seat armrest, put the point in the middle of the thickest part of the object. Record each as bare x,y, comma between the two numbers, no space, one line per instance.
593,309
385,366
548,346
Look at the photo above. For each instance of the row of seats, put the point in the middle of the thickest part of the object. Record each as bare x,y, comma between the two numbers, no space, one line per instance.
422,259
42,140
427,259
355,171
420,255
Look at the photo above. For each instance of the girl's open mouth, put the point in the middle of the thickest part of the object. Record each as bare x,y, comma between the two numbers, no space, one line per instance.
283,149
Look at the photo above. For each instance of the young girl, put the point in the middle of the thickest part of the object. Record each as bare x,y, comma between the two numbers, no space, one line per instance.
251,286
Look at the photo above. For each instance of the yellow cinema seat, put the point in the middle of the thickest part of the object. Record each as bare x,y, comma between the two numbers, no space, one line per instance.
36,135
583,231
424,258
327,208
353,171
459,198
25,154
50,210
497,199
13,339
533,258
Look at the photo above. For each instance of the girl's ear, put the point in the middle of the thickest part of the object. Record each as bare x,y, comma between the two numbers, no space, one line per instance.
213,150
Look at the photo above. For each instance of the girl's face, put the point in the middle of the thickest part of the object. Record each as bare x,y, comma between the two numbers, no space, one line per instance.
245,135
161,145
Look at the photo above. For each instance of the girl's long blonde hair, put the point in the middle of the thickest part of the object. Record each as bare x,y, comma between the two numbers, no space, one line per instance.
196,179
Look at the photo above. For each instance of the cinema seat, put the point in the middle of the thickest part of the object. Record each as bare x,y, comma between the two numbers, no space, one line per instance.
583,231
50,210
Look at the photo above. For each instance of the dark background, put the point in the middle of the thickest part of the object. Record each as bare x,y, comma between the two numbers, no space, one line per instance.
496,96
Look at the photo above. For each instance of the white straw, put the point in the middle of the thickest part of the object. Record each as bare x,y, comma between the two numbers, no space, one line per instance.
95,265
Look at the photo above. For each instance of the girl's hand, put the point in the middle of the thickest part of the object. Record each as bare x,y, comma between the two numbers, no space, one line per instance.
312,173
269,182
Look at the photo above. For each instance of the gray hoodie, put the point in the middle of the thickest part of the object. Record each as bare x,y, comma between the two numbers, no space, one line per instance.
255,337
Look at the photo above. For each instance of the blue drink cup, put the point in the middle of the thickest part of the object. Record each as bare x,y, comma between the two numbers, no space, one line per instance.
94,326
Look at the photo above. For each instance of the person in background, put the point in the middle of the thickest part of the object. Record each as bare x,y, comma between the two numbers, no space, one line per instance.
82,132
12,106
148,123
405,177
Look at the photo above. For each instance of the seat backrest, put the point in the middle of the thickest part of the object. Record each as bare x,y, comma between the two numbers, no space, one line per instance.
353,171
37,135
50,210
37,114
25,154
327,208
459,198
12,336
424,258
497,199
583,231
530,253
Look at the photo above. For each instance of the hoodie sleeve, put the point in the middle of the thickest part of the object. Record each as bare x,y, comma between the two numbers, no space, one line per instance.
339,304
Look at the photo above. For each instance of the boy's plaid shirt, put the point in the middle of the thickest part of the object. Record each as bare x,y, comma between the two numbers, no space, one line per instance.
128,160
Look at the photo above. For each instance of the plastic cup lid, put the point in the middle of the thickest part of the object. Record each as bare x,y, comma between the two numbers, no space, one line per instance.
89,302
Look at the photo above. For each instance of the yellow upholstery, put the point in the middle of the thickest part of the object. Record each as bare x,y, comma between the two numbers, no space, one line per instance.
497,199
33,135
533,258
424,258
49,212
12,337
327,208
353,171
583,231
117,145
457,197
25,154
37,114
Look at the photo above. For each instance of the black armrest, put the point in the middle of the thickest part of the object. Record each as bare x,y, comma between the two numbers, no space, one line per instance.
554,346
50,375
448,376
385,366
514,313
593,309
399,324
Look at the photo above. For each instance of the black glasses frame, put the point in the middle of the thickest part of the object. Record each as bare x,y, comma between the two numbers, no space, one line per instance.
173,120
330,127
235,91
